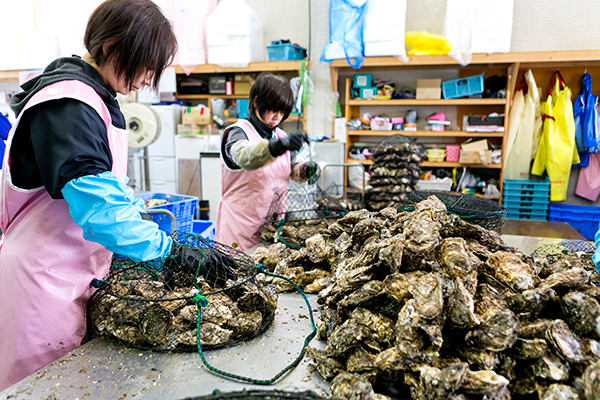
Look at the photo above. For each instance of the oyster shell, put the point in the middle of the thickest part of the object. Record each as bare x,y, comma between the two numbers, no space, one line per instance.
558,391
245,324
551,367
427,293
483,382
511,270
580,312
565,342
360,360
460,306
441,383
529,348
572,278
591,381
327,366
316,248
351,387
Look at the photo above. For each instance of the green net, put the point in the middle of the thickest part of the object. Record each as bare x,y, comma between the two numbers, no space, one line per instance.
475,210
155,306
259,395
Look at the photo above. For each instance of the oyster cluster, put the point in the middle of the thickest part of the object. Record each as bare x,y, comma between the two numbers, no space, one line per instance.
424,305
146,313
395,173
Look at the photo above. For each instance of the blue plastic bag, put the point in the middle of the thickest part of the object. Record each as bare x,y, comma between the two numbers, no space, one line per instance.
585,113
346,21
5,126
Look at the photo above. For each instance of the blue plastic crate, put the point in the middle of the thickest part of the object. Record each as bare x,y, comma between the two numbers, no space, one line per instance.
285,52
206,229
183,207
510,206
584,218
527,215
361,80
462,87
527,201
527,185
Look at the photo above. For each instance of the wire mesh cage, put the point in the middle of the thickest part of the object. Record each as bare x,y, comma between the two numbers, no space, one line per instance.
170,306
259,395
350,198
567,254
479,211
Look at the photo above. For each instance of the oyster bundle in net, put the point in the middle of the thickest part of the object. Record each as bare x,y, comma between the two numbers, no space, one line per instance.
424,305
394,173
156,306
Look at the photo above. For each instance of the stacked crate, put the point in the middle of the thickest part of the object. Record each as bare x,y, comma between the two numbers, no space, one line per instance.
584,218
526,199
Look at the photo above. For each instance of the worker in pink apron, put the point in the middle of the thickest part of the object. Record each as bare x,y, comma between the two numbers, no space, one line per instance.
256,158
64,204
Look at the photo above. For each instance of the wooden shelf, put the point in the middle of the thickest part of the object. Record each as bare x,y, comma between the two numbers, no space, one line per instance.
444,164
9,76
210,96
587,56
276,66
411,102
456,164
427,134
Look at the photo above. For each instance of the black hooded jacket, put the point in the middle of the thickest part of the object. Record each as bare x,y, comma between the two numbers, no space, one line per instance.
61,140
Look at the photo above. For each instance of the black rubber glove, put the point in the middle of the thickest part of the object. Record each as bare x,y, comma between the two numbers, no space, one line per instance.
294,141
215,267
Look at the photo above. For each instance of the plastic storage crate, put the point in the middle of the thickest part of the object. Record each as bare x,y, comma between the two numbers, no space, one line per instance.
279,51
462,87
584,218
526,199
183,207
204,228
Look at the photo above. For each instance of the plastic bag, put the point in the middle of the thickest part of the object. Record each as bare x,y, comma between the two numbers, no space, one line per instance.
557,150
588,183
585,113
346,21
426,44
521,131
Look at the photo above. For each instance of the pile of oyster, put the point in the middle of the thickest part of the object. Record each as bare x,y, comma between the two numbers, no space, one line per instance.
424,305
395,173
146,313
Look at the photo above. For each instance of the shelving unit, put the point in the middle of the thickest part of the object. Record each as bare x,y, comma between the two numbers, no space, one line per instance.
510,65
277,67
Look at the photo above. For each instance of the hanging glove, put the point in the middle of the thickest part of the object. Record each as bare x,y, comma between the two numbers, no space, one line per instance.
214,266
294,141
308,171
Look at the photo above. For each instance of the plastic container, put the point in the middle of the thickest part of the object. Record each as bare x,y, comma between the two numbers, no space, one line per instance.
380,124
532,185
285,52
241,107
527,215
584,218
436,155
206,229
234,35
181,206
462,87
452,152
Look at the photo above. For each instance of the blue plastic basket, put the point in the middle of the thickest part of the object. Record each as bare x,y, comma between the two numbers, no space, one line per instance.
462,87
527,215
285,52
540,185
183,207
206,229
584,218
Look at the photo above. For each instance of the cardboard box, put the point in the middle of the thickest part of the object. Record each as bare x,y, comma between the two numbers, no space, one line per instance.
192,130
473,152
242,84
199,115
474,157
429,89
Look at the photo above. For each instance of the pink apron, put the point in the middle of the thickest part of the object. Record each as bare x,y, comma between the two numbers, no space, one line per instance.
46,265
247,195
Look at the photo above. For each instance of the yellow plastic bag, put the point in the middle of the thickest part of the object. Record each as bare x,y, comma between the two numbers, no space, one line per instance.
557,150
426,44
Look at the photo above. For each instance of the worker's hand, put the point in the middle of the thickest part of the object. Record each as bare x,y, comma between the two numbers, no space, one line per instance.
294,141
310,171
215,267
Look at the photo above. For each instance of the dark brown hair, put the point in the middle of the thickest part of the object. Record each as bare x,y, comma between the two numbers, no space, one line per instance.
271,93
135,35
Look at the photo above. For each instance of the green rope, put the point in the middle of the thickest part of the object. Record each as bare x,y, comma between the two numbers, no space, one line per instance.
201,301
280,225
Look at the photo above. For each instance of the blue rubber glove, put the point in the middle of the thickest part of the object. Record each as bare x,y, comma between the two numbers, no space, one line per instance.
109,214
596,256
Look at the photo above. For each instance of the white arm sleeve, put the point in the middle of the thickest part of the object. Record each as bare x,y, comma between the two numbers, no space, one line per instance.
251,156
